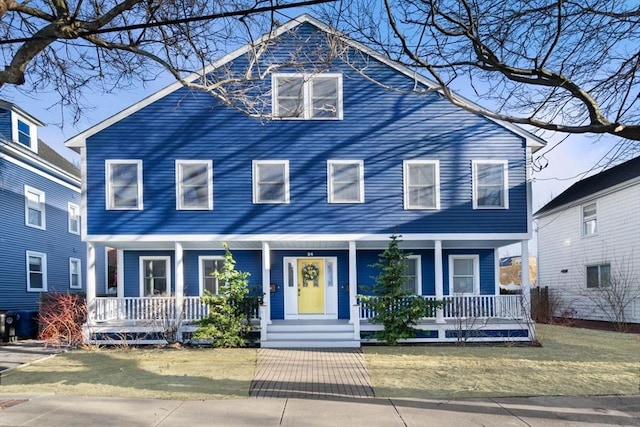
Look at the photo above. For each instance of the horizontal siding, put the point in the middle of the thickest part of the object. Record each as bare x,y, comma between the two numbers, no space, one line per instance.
16,238
5,124
617,242
380,127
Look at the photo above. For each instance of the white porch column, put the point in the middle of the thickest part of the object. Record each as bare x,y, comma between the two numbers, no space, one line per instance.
439,283
179,288
91,281
266,281
353,274
120,273
526,288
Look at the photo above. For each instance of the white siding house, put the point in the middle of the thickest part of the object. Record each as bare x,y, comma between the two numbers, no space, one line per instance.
589,246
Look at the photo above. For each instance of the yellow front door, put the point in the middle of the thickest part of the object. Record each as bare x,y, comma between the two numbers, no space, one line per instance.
310,286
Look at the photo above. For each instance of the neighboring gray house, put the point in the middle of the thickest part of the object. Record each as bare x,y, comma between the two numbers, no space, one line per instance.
589,246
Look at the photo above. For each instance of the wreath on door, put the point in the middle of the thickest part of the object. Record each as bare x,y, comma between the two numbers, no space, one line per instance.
310,272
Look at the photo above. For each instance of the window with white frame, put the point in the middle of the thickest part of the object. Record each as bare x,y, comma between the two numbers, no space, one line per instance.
270,181
421,184
490,184
208,266
464,274
74,218
36,272
194,185
412,274
307,96
599,276
124,184
155,276
589,219
75,273
345,181
24,133
34,207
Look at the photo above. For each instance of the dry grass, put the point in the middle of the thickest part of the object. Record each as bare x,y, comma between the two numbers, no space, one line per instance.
572,361
140,373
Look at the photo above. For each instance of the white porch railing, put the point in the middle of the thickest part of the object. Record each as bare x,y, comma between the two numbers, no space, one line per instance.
107,309
455,307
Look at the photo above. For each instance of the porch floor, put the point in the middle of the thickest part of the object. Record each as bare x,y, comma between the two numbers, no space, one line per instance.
311,373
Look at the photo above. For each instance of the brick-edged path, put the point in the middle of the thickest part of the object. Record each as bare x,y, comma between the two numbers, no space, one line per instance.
311,373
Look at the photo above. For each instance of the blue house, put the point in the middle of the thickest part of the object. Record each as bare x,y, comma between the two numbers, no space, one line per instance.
306,190
40,219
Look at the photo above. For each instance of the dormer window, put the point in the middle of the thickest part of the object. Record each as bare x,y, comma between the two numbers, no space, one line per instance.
24,133
307,96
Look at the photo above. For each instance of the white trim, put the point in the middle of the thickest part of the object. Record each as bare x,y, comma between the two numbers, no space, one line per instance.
201,270
42,207
505,182
307,95
405,167
179,188
254,178
291,292
142,259
79,273
71,207
109,202
83,194
418,261
582,222
360,183
476,273
33,131
43,260
39,172
79,140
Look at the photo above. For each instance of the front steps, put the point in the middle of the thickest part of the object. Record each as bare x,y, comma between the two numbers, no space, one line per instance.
310,334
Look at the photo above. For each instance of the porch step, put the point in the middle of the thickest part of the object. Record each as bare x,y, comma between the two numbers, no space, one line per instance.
310,334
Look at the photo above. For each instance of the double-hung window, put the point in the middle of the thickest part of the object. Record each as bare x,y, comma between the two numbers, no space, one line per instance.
346,181
599,276
208,266
155,275
421,184
490,184
270,181
73,218
194,185
589,219
75,273
24,133
413,275
124,184
464,274
34,207
36,272
307,96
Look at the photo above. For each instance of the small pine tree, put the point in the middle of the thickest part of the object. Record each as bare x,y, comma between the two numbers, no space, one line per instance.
396,308
226,324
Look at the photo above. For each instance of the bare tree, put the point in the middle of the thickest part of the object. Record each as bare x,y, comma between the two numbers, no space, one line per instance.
560,65
76,46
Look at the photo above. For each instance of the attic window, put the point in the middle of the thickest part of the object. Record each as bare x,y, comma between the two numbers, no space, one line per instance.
24,133
307,97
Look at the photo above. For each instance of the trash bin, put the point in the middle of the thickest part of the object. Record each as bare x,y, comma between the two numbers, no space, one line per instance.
8,323
25,326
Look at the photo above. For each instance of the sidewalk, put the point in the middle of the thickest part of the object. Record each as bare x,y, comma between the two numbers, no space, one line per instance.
70,411
24,352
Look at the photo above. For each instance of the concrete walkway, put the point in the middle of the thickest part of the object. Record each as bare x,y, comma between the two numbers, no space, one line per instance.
311,373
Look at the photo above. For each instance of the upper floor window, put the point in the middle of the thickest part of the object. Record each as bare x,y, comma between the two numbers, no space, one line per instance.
346,181
208,266
599,276
155,275
589,220
34,207
307,96
36,272
124,184
270,181
464,274
74,218
490,184
421,184
24,133
194,185
75,275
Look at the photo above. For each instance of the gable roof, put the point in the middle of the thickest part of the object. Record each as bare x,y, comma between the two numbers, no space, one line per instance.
619,174
13,107
79,140
50,155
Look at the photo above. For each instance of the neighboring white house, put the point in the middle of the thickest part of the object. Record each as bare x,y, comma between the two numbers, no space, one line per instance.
589,246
